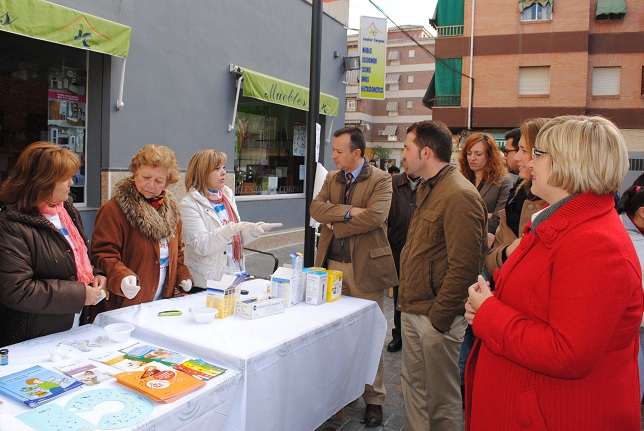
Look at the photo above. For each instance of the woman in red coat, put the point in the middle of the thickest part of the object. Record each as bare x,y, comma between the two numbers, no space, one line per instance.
557,340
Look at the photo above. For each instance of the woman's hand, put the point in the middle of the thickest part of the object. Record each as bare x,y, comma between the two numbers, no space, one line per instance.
478,293
509,249
100,282
92,295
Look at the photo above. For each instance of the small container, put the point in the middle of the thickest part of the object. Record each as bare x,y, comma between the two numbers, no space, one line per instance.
119,332
204,314
4,356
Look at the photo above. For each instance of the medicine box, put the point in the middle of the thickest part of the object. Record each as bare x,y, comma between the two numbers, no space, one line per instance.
221,295
253,309
334,285
303,284
285,286
316,282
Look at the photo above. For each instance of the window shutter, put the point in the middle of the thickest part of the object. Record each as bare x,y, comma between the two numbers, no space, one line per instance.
606,81
534,80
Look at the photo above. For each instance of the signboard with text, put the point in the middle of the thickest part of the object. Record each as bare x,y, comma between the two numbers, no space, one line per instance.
373,56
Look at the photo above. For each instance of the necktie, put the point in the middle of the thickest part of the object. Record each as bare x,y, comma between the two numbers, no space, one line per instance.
347,189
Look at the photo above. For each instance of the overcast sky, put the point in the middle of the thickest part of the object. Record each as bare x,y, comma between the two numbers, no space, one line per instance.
402,12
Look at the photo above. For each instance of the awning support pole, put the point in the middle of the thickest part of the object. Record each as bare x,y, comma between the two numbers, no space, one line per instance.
231,126
119,102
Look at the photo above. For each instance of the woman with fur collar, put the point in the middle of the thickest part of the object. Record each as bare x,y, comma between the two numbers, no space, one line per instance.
213,231
137,236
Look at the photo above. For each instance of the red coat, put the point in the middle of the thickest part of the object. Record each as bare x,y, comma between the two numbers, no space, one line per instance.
557,344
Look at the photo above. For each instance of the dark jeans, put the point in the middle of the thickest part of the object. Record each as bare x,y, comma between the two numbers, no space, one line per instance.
395,332
466,347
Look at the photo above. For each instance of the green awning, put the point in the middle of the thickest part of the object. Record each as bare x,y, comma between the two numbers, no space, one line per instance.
524,4
448,81
274,90
449,12
50,22
607,7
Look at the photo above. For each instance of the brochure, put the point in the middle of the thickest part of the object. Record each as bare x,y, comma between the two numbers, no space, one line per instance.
118,360
160,382
36,385
85,372
200,369
148,353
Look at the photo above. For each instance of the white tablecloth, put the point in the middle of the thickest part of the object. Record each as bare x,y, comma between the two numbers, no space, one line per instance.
207,408
299,367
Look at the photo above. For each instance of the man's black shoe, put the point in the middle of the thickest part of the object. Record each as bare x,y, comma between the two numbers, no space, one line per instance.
373,415
394,345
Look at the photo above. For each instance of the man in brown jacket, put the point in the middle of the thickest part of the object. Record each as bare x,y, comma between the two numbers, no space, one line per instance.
444,253
353,205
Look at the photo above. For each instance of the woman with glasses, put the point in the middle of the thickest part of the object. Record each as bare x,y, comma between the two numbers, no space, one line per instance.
557,340
45,273
522,203
137,237
482,164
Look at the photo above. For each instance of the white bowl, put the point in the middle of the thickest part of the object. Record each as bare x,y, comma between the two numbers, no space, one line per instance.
204,314
119,332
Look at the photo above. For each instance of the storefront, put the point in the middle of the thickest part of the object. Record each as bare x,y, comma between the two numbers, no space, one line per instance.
270,134
44,76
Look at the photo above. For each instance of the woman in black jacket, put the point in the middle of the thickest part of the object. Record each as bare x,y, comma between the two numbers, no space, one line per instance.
45,274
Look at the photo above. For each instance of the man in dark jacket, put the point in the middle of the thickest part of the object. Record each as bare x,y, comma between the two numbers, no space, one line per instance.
446,245
403,201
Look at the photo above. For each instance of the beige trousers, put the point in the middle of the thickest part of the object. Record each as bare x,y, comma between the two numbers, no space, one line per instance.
375,393
429,374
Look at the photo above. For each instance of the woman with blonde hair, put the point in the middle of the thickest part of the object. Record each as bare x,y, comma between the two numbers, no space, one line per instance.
45,273
481,163
213,231
557,340
137,235
522,203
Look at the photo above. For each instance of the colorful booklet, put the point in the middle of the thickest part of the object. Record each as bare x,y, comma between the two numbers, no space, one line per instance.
37,385
149,353
199,369
160,382
85,372
118,360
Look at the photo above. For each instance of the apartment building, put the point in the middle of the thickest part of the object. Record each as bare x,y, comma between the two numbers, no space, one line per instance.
409,70
540,58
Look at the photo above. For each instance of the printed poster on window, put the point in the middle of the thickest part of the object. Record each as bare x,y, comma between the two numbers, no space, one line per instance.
299,139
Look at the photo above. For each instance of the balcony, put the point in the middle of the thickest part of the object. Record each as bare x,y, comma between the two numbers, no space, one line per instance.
448,100
450,30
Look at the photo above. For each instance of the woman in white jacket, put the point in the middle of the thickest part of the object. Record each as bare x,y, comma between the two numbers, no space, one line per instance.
213,232
631,211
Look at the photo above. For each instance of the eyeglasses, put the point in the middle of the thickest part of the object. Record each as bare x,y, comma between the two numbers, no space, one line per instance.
506,151
538,153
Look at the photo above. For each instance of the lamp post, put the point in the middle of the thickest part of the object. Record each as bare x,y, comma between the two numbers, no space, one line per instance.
312,120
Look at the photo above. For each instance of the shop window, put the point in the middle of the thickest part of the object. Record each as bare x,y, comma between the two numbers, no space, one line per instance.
536,12
43,88
270,149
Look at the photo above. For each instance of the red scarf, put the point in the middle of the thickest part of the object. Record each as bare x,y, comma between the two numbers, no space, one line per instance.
84,271
156,202
216,197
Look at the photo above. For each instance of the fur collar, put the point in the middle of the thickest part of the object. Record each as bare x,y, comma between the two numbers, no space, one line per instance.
141,215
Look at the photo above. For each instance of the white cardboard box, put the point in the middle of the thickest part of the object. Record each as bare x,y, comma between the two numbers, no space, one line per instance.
284,285
253,309
316,282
